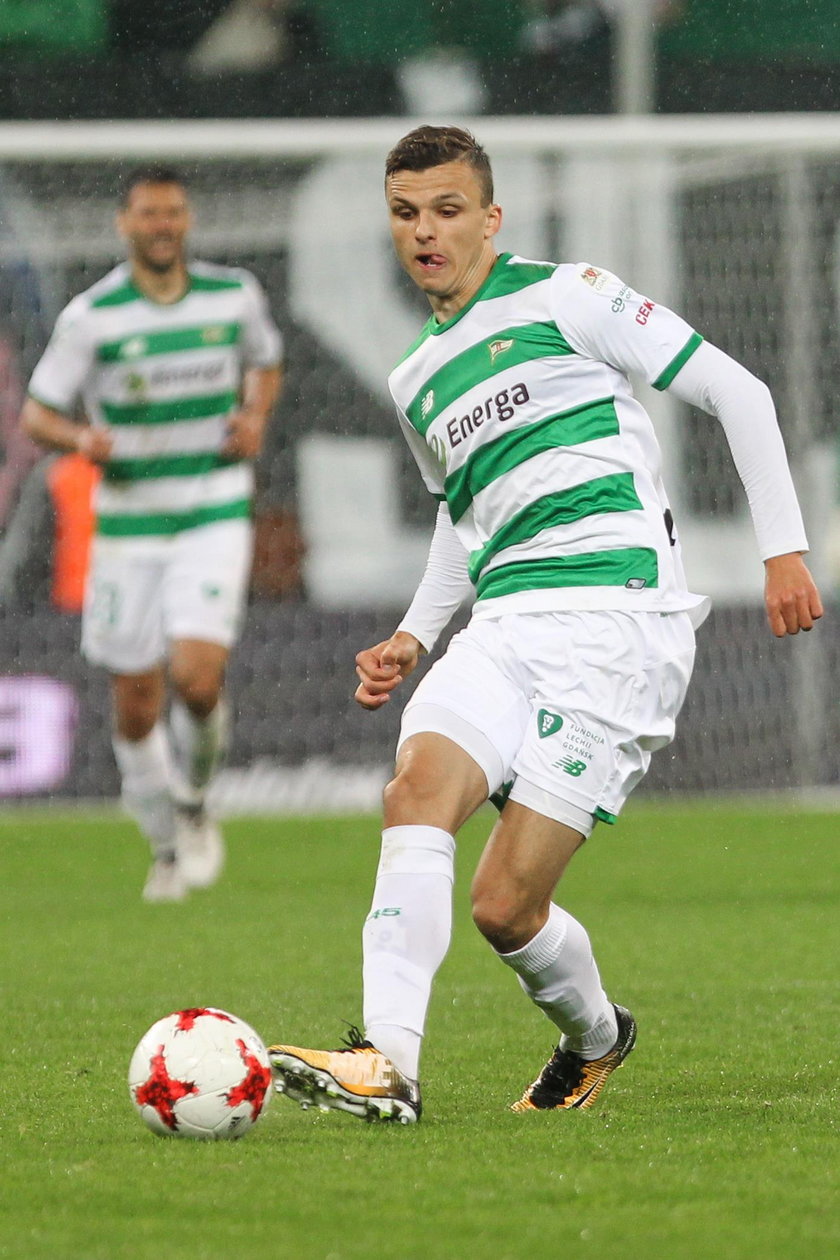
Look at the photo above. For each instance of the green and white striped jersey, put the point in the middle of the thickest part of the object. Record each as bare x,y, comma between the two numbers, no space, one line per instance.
163,378
521,416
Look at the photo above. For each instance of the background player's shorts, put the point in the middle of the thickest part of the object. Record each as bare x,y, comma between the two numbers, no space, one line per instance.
144,592
570,705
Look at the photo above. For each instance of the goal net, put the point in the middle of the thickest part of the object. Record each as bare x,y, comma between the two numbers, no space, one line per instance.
732,221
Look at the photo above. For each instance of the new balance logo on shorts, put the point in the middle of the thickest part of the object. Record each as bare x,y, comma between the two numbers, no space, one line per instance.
548,723
572,767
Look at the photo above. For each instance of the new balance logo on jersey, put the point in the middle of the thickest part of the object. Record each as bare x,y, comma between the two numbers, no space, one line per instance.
548,723
210,336
498,347
427,403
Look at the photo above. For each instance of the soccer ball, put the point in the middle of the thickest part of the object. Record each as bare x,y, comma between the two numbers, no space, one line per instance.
200,1073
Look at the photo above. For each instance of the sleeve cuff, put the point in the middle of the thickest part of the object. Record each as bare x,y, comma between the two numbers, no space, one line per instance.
665,377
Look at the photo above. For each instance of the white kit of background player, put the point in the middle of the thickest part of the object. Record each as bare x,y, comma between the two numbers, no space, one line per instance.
175,365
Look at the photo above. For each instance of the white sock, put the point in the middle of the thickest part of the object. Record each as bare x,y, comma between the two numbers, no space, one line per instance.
405,938
557,971
198,745
144,766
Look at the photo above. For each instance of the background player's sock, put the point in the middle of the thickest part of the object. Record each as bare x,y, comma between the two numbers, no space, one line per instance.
557,971
405,938
198,745
144,766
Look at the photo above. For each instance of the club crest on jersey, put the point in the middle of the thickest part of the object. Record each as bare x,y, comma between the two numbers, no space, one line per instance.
596,279
498,347
548,723
133,348
427,403
212,336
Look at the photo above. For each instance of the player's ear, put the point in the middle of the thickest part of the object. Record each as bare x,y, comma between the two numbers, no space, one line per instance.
119,223
493,221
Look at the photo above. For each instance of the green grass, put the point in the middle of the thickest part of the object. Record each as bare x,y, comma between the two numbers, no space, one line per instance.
718,927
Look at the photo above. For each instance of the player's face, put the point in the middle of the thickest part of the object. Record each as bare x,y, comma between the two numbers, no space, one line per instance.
441,231
155,223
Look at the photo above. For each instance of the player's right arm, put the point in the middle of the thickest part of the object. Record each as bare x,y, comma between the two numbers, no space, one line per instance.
56,385
58,432
443,588
383,667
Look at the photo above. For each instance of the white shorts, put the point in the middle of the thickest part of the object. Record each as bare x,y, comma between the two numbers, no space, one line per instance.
144,592
567,705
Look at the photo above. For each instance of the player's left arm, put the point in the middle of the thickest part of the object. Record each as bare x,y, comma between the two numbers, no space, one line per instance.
262,380
261,388
608,321
744,407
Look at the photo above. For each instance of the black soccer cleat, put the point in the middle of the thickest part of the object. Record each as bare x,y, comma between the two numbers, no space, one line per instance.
569,1081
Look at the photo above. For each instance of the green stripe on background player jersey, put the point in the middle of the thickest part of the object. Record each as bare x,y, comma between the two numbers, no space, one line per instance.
580,424
504,279
128,292
618,567
212,284
120,525
615,493
664,379
165,466
142,345
118,297
480,362
203,407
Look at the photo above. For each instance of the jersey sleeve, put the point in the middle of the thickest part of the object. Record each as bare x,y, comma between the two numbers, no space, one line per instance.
262,340
66,363
603,318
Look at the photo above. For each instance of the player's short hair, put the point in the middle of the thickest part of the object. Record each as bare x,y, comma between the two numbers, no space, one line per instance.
433,146
155,173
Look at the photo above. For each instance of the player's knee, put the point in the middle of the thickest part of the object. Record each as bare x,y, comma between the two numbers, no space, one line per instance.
136,708
506,920
198,689
408,795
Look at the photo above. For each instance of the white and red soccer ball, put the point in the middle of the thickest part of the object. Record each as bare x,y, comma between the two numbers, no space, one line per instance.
200,1073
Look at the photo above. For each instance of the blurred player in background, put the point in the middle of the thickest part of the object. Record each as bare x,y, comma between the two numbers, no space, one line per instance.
177,367
516,403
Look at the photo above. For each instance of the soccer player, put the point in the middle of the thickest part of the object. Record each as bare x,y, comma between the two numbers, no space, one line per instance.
177,366
516,403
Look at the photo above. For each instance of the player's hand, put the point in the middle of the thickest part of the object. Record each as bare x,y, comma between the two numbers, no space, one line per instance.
245,433
382,668
95,444
790,595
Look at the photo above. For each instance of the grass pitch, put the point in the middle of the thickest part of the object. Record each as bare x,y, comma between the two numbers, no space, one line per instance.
718,927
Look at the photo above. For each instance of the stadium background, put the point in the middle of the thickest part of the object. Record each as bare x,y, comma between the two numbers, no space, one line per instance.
750,230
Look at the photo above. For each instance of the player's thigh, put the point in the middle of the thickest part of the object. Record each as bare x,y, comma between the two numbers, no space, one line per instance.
206,583
436,784
122,620
607,688
471,697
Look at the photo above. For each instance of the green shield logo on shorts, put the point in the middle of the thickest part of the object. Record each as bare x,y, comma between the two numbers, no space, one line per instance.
548,723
